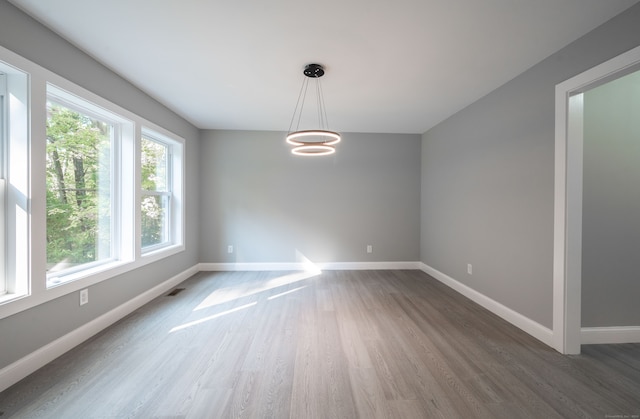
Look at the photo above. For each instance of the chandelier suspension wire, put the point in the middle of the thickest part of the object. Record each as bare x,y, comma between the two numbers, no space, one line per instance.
323,108
319,104
295,110
313,142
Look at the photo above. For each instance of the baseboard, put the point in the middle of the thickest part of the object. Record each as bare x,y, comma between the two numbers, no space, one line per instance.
543,334
356,266
302,266
18,370
243,266
604,335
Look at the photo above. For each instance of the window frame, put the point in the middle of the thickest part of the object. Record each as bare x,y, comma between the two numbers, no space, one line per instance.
176,228
3,182
15,199
147,135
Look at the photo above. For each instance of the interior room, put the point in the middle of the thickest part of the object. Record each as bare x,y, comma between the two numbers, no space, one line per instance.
176,243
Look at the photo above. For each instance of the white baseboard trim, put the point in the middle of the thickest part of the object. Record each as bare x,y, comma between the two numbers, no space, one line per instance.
243,266
543,334
302,266
18,370
604,335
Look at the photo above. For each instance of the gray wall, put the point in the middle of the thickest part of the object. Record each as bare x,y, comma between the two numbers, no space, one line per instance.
611,204
486,196
487,178
270,205
34,328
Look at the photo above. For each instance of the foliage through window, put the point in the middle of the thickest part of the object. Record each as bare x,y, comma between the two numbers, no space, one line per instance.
155,208
79,184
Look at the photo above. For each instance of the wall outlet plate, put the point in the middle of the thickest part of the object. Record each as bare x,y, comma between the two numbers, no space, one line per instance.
84,296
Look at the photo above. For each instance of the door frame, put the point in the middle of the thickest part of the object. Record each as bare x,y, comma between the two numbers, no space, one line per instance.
567,230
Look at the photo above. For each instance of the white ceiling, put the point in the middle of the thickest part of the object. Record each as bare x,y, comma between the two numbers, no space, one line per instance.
396,66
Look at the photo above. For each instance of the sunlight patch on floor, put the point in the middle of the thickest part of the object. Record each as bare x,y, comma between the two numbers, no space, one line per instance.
212,317
286,292
228,294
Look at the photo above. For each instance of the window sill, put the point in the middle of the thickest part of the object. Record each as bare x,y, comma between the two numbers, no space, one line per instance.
161,253
94,271
11,297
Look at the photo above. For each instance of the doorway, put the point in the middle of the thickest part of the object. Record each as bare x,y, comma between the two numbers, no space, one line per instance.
568,217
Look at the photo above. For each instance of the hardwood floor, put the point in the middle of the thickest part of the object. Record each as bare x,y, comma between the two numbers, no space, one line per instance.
343,344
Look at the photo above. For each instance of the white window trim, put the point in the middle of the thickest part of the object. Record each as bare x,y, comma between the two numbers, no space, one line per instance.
3,239
3,184
35,268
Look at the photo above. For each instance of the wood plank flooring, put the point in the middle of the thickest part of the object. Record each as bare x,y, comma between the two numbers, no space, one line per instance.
341,344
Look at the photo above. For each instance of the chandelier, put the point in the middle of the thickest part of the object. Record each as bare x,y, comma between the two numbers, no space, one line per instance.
312,142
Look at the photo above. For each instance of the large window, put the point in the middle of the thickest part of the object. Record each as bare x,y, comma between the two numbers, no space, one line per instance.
85,197
79,182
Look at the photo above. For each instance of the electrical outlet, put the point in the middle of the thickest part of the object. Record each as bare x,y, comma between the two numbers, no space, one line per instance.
84,296
469,269
369,248
230,249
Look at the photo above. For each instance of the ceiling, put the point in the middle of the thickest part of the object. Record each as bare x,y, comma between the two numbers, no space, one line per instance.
397,66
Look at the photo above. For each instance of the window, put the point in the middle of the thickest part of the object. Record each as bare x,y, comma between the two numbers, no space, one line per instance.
79,211
160,192
155,205
14,183
108,188
84,199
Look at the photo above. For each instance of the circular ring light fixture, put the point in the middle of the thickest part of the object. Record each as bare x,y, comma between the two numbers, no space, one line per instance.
330,136
313,150
313,142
